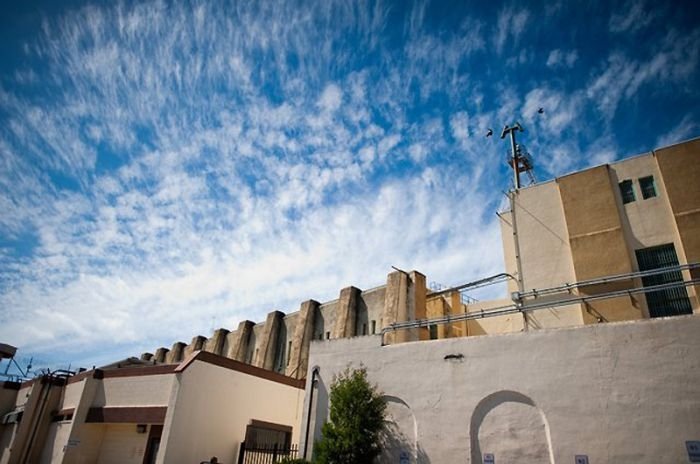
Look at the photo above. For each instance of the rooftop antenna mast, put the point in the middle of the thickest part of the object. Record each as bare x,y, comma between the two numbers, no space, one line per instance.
515,152
519,160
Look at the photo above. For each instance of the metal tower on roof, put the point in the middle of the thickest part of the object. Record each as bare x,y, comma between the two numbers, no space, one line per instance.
518,159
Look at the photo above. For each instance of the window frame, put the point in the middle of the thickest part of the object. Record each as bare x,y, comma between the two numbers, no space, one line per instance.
643,186
625,194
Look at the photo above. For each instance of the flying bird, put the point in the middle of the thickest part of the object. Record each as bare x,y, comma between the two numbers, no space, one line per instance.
541,110
489,133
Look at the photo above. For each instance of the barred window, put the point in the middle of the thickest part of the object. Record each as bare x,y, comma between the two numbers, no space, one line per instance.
646,185
627,191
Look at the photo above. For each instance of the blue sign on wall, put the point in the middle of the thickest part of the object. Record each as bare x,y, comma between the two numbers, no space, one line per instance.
693,448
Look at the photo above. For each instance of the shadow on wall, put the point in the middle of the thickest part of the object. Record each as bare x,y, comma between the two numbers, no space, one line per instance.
511,426
320,410
399,439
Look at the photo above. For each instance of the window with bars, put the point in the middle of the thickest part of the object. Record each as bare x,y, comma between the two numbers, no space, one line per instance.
627,191
433,330
646,185
670,301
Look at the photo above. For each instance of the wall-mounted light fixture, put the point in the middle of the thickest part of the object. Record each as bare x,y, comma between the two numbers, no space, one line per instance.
141,428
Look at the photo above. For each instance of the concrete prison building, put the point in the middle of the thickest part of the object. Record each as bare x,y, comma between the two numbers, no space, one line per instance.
593,356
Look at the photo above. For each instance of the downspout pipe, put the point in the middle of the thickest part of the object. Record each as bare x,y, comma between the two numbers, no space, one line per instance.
314,379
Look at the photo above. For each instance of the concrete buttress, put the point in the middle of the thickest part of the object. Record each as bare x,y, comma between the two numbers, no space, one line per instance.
405,300
197,344
238,341
215,344
347,313
268,344
303,333
176,353
161,354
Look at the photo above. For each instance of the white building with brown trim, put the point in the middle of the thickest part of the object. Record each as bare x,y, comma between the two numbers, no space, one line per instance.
171,413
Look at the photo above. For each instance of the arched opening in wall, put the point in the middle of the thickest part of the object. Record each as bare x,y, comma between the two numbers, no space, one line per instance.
400,437
512,427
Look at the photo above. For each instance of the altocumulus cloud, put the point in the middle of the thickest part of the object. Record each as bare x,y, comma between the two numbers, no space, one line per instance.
170,167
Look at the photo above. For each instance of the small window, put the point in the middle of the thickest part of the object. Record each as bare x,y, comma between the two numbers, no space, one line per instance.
328,335
433,331
646,185
374,327
364,329
627,191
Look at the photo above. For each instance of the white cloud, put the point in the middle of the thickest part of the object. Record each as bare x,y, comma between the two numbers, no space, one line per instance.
331,98
165,165
672,61
387,144
511,24
559,109
459,125
634,16
560,58
687,128
418,152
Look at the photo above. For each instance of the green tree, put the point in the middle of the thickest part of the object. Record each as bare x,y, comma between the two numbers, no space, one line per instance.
352,436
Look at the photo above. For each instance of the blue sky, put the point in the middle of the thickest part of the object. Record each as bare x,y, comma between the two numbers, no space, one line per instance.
171,167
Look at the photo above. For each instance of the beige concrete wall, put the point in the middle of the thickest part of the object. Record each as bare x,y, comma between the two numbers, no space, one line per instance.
371,308
84,440
545,256
544,240
290,324
255,342
147,390
680,169
59,432
590,200
492,325
56,439
539,396
71,395
649,222
121,444
211,407
325,319
451,305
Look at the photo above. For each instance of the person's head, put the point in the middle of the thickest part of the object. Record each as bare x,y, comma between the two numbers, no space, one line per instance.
213,460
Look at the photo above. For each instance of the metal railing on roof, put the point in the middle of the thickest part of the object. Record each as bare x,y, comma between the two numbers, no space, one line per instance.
519,307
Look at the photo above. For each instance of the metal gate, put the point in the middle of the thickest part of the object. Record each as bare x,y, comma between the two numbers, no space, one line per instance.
669,302
266,454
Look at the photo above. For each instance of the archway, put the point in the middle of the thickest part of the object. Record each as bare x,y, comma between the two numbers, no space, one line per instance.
400,437
511,426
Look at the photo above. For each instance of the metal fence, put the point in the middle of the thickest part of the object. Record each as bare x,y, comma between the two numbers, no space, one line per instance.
266,454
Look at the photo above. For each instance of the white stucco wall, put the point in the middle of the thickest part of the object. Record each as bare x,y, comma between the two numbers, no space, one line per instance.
147,390
625,392
70,397
649,222
211,406
121,444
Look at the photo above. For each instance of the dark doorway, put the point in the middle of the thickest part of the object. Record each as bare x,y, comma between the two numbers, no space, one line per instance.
153,444
668,302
